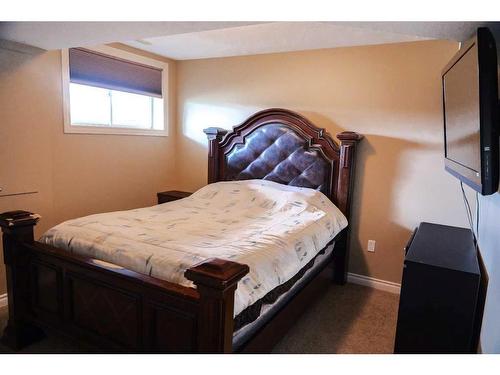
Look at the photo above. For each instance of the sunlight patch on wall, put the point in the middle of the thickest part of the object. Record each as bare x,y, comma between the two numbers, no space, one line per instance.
419,177
198,116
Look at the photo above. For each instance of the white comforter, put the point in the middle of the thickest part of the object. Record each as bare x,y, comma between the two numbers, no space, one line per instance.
273,228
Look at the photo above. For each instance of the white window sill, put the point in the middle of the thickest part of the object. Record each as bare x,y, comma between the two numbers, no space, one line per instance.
89,129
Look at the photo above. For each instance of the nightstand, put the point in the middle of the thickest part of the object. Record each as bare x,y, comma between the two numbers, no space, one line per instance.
171,195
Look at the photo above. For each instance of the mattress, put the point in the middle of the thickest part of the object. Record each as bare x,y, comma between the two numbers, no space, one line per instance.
275,229
268,310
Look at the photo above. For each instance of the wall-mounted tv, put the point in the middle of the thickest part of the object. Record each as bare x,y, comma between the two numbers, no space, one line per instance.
471,113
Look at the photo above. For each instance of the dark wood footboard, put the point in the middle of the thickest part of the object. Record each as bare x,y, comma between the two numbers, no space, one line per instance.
111,308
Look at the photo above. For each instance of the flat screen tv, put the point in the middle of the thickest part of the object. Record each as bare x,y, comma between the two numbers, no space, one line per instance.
471,113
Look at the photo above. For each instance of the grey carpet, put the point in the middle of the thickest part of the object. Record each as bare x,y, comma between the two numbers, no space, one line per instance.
347,319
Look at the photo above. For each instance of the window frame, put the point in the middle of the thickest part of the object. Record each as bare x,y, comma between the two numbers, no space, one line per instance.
69,128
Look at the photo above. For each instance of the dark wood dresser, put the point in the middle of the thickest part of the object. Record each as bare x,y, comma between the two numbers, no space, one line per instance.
439,292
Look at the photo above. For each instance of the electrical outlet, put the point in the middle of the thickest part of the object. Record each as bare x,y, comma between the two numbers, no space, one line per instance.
371,246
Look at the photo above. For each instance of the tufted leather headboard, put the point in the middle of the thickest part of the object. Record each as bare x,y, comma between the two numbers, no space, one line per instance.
282,146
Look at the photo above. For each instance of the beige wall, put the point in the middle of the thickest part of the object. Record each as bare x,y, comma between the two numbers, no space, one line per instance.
389,93
75,174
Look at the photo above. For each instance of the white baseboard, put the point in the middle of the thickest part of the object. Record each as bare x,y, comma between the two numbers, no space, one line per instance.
386,286
3,300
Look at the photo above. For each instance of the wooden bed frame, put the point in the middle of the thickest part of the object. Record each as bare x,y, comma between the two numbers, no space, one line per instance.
118,310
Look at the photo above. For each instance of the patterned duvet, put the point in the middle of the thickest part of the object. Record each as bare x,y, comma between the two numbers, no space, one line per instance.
273,228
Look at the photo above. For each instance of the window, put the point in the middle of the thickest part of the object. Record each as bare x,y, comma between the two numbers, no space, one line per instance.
110,91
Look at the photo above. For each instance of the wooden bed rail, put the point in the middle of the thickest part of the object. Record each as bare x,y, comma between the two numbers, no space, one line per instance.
110,307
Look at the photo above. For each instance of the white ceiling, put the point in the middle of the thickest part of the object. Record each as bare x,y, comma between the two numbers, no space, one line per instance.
57,35
196,40
266,38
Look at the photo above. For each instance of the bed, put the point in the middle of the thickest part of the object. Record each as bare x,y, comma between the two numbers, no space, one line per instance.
258,244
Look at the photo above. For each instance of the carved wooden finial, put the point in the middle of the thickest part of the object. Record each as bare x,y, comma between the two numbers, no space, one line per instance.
17,219
349,136
19,224
217,273
215,133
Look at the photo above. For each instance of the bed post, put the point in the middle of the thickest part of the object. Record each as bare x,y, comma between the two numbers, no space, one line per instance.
17,230
216,281
214,136
348,141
